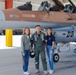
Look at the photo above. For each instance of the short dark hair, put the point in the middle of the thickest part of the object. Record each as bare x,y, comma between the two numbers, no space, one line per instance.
50,28
37,26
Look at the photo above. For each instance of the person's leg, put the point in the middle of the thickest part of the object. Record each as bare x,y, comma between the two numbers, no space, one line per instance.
51,57
37,59
24,60
48,51
51,60
44,63
27,59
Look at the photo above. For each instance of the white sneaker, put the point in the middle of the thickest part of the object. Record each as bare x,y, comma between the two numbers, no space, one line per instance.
37,71
45,72
50,71
26,73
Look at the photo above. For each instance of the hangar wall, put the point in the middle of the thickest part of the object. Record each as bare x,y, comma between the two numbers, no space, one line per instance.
16,3
2,5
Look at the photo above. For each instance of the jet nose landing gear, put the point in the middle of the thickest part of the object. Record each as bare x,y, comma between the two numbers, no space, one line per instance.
56,57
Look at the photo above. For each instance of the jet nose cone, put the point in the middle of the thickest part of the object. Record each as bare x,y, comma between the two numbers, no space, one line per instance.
2,16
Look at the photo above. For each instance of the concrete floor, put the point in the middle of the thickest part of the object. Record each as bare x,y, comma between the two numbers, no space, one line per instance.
10,63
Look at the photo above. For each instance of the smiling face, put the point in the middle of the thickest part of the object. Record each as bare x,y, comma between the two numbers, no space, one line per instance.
49,31
26,31
38,29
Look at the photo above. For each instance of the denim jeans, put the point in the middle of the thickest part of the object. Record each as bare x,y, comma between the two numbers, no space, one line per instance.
50,57
26,60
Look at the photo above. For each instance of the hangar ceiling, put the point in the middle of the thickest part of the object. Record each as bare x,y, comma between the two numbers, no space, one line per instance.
32,1
16,3
41,0
21,2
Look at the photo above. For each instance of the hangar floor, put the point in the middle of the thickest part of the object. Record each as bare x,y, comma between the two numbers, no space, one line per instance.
10,62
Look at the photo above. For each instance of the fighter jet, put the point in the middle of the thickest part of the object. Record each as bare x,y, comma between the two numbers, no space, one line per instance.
63,23
23,16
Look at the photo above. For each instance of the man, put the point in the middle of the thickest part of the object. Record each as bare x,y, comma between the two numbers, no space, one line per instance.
38,39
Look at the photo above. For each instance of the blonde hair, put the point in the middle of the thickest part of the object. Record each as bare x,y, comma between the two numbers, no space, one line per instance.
24,33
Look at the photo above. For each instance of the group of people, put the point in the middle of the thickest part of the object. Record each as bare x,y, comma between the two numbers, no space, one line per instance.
41,43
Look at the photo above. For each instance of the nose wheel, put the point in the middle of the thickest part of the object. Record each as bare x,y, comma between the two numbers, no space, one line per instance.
75,50
56,57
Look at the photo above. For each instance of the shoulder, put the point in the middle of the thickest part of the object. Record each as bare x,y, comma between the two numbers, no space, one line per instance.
46,35
43,33
23,36
53,36
33,34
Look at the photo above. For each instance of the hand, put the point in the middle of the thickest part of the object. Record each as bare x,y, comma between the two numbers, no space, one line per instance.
45,48
31,49
45,40
22,62
51,52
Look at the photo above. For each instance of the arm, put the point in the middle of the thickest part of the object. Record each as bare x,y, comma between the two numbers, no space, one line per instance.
32,42
53,42
45,41
22,44
53,45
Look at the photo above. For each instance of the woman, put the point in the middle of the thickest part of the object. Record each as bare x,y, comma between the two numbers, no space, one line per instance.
50,48
25,45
